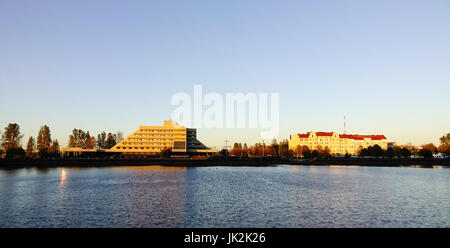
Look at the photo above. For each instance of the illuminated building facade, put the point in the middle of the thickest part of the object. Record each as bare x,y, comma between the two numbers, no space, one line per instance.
148,140
337,143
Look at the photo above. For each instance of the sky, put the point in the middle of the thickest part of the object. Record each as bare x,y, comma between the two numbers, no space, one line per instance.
114,65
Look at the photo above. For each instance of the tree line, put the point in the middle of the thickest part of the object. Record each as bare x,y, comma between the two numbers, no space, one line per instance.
43,146
426,151
275,149
82,139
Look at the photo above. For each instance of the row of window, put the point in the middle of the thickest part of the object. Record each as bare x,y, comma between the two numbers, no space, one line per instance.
153,135
160,131
335,147
326,139
131,139
329,145
140,148
148,144
340,143
325,143
155,130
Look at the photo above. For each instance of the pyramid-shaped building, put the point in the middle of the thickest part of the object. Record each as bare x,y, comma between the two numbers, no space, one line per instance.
149,140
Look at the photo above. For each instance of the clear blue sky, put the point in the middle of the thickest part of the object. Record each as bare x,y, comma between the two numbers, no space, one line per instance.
114,65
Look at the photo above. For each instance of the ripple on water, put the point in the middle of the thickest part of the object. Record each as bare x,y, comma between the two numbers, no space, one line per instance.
280,196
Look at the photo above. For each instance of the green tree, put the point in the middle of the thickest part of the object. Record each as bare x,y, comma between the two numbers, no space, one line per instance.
426,153
398,151
54,148
15,152
364,152
445,140
236,151
405,152
276,147
12,137
89,141
444,147
315,154
283,149
224,152
44,139
325,152
110,141
375,151
245,150
80,138
390,152
101,140
431,147
31,146
372,151
75,138
307,153
165,152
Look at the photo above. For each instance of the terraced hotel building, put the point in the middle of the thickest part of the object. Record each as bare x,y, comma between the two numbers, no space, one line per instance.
148,140
338,143
151,140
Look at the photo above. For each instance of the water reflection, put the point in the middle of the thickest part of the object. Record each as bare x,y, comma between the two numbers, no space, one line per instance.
63,178
281,196
142,196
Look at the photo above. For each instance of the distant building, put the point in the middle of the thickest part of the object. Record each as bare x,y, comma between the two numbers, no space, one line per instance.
440,155
75,151
148,140
151,140
337,143
392,144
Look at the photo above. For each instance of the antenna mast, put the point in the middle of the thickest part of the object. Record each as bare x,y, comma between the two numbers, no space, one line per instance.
226,145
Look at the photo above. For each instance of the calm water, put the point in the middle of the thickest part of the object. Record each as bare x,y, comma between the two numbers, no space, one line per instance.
280,196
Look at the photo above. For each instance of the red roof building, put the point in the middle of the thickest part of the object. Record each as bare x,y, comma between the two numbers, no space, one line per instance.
337,143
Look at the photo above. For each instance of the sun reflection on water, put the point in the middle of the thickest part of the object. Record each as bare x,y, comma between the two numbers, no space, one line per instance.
63,178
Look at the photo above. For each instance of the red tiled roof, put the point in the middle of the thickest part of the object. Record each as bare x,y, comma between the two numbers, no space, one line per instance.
377,137
351,136
346,136
303,135
324,134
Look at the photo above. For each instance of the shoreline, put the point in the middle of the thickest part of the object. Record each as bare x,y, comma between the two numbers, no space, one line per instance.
85,162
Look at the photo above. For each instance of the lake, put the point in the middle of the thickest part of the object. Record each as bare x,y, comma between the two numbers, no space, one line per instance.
276,196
